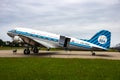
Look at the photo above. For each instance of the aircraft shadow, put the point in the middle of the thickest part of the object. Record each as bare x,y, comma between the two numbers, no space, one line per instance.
68,54
103,55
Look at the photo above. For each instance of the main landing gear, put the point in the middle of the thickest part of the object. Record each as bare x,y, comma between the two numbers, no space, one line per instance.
27,51
34,50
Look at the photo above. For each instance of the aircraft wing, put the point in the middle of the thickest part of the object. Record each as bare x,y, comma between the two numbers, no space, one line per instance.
36,42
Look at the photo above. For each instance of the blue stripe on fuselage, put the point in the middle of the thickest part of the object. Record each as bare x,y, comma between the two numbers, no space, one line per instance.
79,45
37,36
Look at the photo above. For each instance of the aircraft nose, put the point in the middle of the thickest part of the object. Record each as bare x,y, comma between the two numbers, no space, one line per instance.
10,34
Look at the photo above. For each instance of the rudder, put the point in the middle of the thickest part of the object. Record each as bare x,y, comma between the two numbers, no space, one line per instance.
102,38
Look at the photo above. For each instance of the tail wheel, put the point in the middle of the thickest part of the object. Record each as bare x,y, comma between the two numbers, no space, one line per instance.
93,54
26,51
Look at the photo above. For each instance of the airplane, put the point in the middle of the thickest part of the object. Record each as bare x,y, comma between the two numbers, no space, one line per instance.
36,38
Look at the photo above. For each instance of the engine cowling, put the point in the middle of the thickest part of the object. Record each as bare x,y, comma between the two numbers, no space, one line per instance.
17,39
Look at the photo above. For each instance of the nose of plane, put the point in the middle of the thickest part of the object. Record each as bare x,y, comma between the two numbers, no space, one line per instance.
10,34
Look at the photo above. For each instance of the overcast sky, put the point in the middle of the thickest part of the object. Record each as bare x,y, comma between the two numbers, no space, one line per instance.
76,18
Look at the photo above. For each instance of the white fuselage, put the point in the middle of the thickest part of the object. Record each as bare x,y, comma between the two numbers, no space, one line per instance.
50,39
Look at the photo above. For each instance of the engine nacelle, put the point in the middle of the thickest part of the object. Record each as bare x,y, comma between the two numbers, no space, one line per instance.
17,39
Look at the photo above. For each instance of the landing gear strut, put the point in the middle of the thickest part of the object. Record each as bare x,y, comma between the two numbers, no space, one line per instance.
48,49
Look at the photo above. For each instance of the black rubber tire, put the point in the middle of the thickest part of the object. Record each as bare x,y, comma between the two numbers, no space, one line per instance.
35,50
26,51
93,54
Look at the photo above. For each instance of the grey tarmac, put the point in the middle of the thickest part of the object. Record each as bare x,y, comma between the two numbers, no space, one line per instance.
64,54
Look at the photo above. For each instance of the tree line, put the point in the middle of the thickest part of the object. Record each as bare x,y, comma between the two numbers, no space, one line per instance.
7,43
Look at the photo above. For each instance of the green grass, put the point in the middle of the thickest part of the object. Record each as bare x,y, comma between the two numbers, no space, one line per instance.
58,69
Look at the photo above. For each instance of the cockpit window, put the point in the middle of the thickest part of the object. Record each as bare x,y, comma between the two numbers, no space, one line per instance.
12,31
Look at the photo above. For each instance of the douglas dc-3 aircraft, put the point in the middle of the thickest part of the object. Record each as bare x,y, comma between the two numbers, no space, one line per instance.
35,39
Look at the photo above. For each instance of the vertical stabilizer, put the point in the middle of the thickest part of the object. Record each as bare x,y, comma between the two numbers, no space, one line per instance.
102,38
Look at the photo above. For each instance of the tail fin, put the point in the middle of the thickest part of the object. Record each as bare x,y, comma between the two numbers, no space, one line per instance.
102,38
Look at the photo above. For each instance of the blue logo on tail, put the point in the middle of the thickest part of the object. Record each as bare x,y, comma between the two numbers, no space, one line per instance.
102,39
